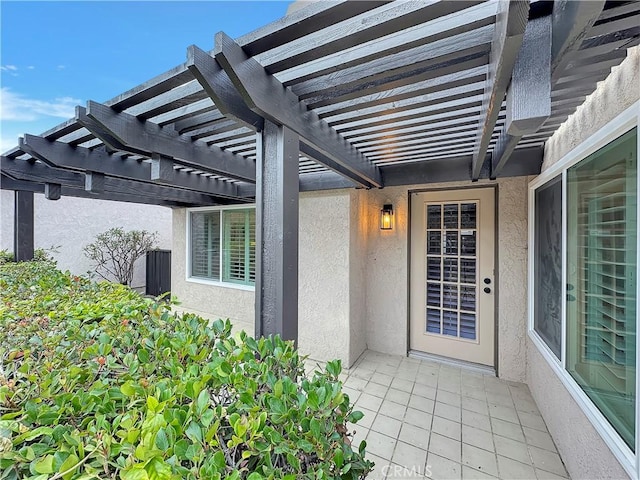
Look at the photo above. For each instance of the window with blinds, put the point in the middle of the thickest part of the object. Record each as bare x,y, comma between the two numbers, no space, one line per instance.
223,245
238,254
205,244
601,280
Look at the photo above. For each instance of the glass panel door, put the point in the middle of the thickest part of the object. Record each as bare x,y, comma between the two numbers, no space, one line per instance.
451,273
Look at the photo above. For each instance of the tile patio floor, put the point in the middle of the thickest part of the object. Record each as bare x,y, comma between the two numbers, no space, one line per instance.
429,420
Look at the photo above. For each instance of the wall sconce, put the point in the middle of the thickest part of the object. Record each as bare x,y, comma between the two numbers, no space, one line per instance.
386,217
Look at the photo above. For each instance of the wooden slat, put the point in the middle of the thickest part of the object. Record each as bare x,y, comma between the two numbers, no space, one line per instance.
264,94
509,32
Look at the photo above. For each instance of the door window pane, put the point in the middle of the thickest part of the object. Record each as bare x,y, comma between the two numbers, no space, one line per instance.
434,213
601,274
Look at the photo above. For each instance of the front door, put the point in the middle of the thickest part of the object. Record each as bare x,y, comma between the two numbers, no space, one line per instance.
452,274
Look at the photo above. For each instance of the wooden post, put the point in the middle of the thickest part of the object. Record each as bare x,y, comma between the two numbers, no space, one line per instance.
23,226
277,232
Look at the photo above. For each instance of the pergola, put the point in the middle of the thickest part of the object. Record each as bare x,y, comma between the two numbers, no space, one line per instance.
336,94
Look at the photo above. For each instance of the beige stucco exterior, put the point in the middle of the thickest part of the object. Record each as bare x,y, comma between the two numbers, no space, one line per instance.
584,452
353,277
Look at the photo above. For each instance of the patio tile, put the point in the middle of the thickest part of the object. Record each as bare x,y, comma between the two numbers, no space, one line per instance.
408,374
388,369
440,468
387,425
447,428
418,418
532,420
499,398
381,378
398,396
479,459
469,473
447,411
410,456
475,405
355,383
524,405
474,392
509,448
369,402
376,389
472,380
448,384
413,435
510,469
367,420
362,373
542,475
548,461
477,437
448,398
445,447
503,413
392,409
507,429
429,378
379,469
476,420
396,471
401,384
539,439
424,391
360,435
380,445
421,403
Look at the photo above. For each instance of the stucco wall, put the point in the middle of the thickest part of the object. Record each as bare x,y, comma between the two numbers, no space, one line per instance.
387,272
71,223
206,300
584,452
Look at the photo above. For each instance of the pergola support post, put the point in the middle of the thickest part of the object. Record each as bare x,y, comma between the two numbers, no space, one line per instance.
277,232
23,226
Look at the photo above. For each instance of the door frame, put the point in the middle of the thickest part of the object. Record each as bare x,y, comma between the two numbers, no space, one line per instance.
496,309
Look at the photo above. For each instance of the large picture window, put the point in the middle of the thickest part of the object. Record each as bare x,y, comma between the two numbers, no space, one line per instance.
584,232
222,245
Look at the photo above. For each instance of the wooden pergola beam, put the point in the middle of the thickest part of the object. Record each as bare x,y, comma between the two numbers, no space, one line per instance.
266,96
23,226
125,132
62,155
9,183
229,101
569,24
41,173
509,31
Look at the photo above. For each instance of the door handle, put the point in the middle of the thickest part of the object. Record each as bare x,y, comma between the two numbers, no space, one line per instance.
487,290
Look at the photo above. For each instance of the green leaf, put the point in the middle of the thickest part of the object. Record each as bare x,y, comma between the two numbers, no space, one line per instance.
315,427
162,442
180,449
68,465
355,416
44,465
135,473
158,469
128,389
194,432
338,457
203,401
254,476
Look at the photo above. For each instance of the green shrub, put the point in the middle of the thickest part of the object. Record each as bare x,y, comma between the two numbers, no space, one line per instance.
98,382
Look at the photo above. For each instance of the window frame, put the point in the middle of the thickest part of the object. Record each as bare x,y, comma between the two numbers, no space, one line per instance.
621,124
207,281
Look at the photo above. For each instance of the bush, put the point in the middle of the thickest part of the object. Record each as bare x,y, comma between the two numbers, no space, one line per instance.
114,252
98,382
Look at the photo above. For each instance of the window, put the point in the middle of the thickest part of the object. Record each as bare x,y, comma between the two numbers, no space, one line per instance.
222,245
601,269
584,234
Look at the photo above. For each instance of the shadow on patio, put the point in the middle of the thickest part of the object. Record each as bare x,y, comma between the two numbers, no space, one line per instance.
429,420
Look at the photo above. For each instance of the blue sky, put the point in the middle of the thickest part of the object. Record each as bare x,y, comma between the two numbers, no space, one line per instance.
56,55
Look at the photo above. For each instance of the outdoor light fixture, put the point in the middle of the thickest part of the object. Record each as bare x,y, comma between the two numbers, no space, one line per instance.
386,217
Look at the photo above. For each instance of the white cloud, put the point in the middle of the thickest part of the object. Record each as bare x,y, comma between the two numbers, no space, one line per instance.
61,67
7,143
18,107
9,68
31,67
